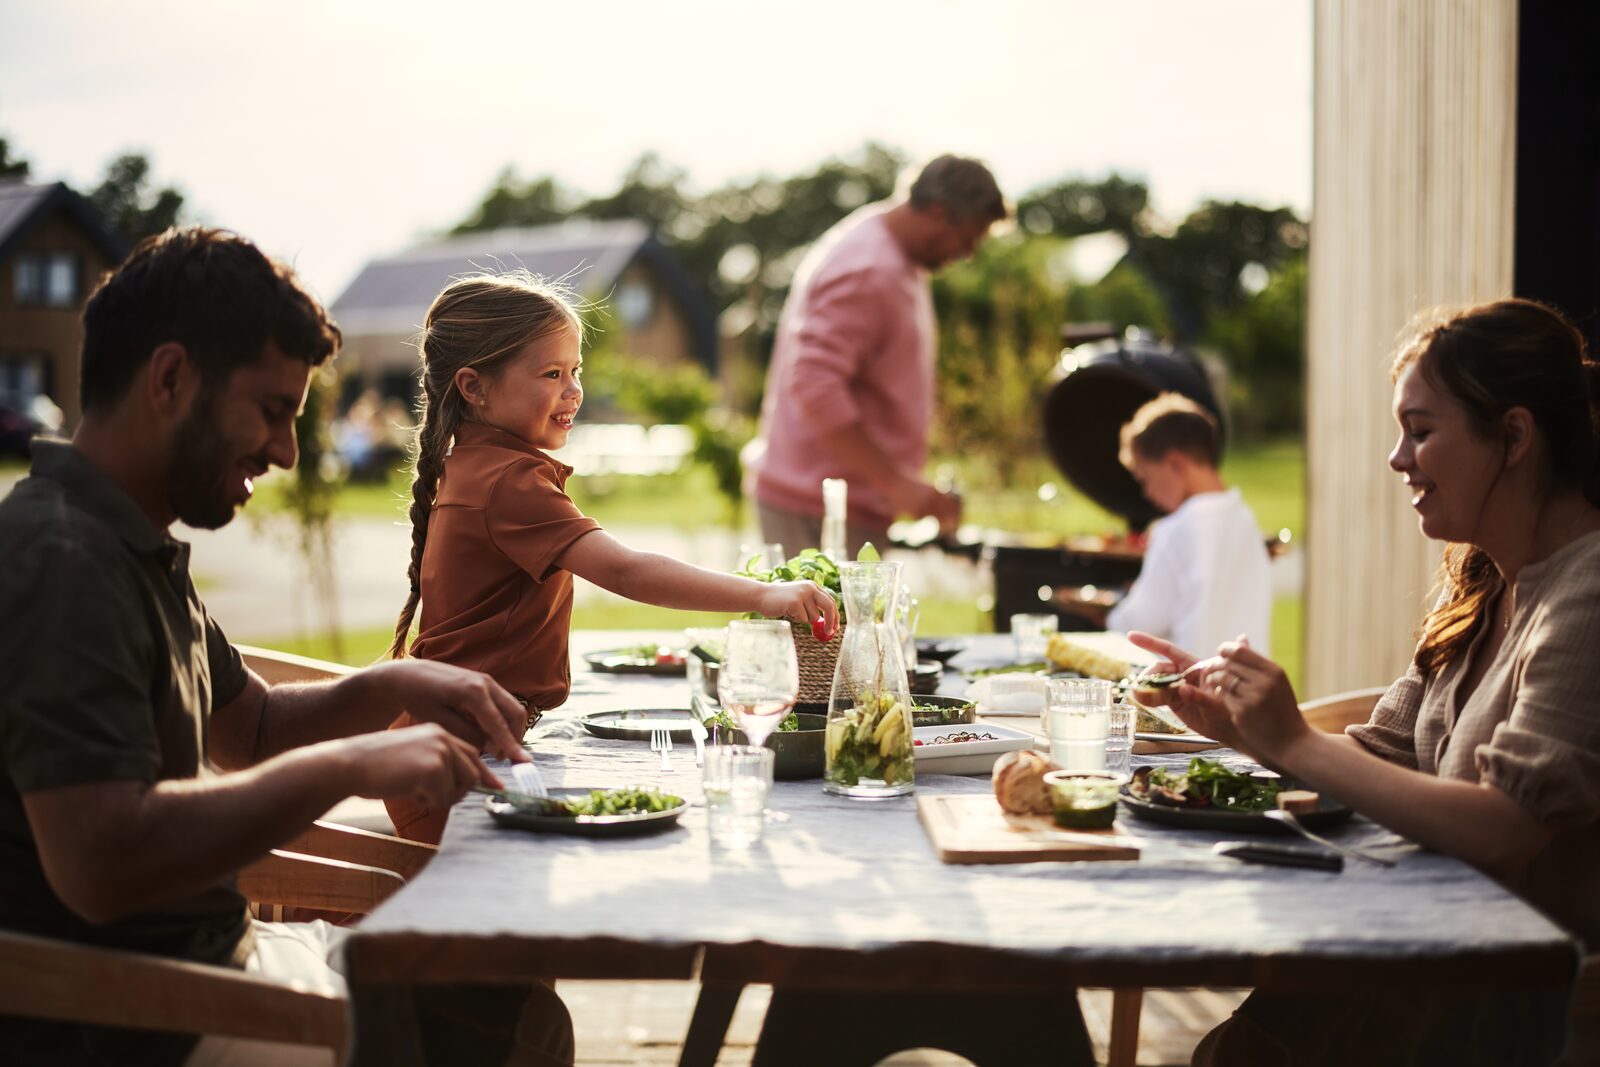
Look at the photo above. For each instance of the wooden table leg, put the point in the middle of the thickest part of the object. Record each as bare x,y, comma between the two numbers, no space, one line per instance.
1123,1048
708,1027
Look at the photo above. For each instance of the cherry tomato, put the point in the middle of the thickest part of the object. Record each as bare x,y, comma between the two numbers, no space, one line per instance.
820,631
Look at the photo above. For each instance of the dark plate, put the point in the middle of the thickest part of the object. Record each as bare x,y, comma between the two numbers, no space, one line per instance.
619,661
939,649
953,711
925,676
506,813
796,754
1329,813
636,724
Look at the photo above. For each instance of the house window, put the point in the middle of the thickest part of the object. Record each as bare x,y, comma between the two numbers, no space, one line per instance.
635,304
61,280
50,279
27,278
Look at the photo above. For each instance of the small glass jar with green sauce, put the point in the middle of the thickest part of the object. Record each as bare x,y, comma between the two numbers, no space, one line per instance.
1084,800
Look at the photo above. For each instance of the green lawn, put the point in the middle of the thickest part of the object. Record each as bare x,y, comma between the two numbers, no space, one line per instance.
1270,474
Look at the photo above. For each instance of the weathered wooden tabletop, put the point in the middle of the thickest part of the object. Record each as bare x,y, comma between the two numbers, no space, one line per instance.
850,893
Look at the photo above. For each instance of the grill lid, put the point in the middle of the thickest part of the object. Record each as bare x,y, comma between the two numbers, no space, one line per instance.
1097,388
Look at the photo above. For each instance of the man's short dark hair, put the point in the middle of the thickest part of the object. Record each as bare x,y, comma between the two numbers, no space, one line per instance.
1170,423
964,186
209,290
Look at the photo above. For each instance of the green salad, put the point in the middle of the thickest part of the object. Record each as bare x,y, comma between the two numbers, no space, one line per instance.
788,724
634,801
1205,784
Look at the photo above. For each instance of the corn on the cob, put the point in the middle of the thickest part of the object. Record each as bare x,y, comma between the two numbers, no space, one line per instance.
1072,657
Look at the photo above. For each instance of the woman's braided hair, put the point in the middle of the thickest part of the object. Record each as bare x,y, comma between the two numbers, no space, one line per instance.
480,322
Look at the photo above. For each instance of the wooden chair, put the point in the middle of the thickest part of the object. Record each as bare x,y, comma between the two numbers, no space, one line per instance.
277,667
49,979
1332,714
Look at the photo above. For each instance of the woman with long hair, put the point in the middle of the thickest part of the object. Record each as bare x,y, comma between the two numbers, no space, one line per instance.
1488,749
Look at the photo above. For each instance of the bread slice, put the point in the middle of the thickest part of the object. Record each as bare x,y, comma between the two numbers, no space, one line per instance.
1298,801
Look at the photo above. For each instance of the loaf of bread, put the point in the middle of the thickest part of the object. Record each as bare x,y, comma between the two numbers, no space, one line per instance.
1019,782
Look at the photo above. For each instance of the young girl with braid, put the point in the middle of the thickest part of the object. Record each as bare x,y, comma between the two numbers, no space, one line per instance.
495,540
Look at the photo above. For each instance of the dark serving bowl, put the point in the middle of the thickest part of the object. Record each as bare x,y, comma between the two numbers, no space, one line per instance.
797,754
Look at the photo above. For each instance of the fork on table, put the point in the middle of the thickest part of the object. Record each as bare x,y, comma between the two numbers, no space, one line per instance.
661,741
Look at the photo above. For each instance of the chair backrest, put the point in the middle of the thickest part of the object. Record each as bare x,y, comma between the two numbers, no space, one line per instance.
42,978
277,667
1332,714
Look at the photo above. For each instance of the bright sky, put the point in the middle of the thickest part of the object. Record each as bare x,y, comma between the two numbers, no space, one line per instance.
332,132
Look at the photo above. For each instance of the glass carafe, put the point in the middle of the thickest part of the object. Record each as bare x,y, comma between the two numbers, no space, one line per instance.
868,740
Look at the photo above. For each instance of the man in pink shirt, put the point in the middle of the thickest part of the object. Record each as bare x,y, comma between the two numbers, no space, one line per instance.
851,387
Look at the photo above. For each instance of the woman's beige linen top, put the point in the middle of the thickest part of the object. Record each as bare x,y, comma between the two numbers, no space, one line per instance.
1531,728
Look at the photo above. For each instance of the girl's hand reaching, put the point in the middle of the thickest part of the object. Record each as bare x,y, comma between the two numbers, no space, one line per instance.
803,602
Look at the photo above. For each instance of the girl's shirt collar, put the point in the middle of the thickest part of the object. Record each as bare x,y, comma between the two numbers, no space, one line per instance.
480,433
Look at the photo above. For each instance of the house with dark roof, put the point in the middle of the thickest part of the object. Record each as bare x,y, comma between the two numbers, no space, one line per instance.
54,247
654,311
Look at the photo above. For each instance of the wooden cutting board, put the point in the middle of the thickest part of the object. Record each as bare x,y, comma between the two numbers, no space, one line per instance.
973,829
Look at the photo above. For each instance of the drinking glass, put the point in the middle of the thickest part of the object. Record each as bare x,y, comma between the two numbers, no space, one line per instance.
1119,738
759,679
1031,633
906,615
1077,721
737,780
758,558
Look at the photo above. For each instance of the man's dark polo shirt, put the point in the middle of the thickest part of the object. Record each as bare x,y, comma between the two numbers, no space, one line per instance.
109,669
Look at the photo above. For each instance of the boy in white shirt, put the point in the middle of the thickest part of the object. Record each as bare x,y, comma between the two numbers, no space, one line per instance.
1204,579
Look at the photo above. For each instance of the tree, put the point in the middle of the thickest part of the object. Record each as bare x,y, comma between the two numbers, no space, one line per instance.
11,168
1264,344
1077,206
1201,269
514,202
128,202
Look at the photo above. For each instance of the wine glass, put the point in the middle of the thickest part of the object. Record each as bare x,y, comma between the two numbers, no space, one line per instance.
759,678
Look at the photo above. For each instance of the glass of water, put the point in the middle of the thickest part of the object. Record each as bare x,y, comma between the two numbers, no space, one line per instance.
1031,634
1078,722
737,780
1119,738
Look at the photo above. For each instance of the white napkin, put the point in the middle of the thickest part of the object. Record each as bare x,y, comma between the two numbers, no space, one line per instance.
1015,693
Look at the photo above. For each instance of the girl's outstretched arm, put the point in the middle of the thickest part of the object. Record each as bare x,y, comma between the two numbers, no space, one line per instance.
652,578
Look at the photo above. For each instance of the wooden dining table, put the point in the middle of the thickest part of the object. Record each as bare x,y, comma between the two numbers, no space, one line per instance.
844,894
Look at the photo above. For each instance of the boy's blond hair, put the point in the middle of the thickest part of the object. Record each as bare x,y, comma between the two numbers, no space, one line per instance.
1170,423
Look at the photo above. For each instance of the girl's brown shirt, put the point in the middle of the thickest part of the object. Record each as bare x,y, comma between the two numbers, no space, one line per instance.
493,598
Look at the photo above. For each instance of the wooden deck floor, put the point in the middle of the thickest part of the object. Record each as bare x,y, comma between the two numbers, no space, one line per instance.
640,1024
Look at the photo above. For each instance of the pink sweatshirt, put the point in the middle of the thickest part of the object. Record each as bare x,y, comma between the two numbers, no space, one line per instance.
855,345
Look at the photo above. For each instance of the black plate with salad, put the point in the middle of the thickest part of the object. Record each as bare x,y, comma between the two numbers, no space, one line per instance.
1206,795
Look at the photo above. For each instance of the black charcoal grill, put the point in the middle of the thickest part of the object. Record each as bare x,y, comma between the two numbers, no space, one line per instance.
1100,381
